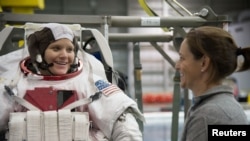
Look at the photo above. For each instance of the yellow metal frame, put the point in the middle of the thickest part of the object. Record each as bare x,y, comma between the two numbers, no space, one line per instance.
22,6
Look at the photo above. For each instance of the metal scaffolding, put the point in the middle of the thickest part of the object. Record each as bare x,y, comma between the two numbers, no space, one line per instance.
205,17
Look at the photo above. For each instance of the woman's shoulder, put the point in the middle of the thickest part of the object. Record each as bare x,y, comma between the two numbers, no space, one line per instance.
221,111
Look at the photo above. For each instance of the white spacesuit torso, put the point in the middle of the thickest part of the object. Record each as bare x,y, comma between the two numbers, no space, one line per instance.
103,112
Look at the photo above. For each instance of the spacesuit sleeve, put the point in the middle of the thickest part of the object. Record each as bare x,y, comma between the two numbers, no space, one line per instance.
6,107
126,128
9,66
108,109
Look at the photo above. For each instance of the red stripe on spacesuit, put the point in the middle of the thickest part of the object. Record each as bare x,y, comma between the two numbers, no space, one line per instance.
110,90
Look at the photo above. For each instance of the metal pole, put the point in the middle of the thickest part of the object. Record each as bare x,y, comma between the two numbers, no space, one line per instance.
129,37
187,102
84,20
137,79
163,53
176,108
178,36
116,21
135,21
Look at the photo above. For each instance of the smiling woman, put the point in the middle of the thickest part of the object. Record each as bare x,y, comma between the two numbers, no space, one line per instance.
59,94
207,56
53,50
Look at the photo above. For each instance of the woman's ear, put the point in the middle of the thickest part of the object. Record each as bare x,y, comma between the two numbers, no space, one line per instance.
205,62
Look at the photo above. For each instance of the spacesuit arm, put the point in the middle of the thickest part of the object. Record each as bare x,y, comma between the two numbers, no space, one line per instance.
6,107
126,128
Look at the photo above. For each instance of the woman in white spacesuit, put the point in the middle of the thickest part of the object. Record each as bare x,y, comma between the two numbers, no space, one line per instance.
54,76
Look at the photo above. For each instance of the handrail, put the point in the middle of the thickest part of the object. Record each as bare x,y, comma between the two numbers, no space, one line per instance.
150,12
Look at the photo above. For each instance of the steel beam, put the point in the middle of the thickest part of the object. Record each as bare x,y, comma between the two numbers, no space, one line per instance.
84,20
131,37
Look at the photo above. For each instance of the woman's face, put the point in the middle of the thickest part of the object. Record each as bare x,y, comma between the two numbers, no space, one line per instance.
61,54
189,68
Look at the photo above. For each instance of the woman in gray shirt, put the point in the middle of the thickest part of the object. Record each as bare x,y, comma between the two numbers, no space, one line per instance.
207,56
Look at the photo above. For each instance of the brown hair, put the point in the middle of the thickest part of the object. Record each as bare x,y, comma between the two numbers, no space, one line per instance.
220,47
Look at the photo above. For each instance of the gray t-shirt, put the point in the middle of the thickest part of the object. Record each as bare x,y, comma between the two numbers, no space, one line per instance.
217,106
